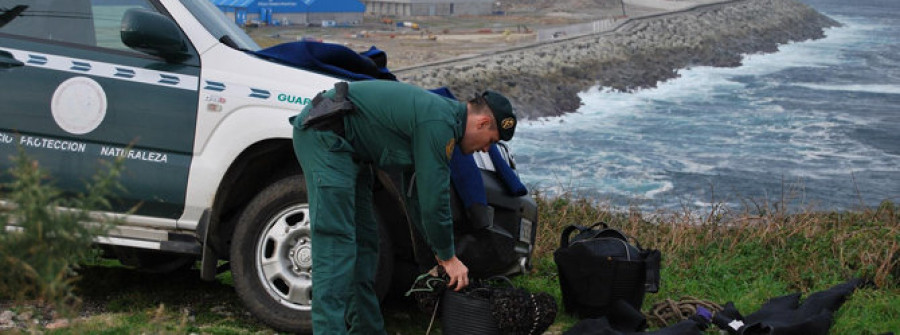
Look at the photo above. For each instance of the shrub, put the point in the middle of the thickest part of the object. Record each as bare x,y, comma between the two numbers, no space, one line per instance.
45,235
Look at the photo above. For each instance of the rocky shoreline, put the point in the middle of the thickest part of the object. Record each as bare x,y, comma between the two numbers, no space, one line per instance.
545,79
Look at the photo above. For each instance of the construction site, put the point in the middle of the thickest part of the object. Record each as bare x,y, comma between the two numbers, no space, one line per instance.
416,40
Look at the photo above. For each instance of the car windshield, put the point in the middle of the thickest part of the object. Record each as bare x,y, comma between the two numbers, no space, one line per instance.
224,29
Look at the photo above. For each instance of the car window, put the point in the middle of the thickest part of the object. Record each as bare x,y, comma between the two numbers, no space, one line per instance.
88,22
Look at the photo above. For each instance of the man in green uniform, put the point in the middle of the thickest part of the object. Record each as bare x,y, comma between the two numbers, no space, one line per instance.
393,126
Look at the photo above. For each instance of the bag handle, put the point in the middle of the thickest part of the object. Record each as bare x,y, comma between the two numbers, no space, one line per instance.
621,234
565,236
627,238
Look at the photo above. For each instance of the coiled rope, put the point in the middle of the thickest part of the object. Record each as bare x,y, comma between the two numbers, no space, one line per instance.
672,311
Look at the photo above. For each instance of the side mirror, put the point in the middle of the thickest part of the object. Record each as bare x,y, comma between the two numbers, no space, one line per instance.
7,61
155,34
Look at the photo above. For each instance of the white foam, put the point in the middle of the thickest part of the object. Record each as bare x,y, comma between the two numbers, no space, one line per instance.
861,88
664,187
627,144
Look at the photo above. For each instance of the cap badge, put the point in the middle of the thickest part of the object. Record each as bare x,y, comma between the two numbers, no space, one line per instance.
508,123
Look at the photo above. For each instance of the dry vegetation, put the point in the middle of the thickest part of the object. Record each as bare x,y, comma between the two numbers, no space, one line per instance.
801,248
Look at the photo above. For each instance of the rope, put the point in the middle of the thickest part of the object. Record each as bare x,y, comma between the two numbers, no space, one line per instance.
433,314
429,281
670,310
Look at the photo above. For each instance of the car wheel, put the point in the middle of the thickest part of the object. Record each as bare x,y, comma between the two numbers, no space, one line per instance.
271,261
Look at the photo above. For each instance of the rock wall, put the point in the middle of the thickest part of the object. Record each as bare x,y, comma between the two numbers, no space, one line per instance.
545,79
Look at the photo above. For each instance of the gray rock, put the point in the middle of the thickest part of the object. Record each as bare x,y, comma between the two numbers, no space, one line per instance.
6,318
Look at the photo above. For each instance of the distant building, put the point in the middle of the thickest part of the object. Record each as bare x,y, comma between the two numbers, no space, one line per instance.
304,12
429,7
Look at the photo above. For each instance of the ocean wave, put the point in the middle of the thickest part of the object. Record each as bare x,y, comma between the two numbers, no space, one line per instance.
803,114
861,88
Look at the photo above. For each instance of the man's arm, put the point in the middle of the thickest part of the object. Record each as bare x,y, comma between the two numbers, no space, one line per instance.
433,185
433,145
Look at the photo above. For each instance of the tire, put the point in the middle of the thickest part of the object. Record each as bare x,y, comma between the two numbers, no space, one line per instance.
274,230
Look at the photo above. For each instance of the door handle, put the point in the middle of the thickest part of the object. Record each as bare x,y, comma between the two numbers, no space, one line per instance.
7,61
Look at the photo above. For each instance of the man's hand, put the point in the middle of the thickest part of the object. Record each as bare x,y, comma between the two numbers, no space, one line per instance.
457,271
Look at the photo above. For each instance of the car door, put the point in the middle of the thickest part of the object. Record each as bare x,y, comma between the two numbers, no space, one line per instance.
72,95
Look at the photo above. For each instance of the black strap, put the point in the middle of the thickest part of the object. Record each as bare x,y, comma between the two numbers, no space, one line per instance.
652,260
564,238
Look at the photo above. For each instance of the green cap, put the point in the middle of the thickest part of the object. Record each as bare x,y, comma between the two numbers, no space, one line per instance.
503,113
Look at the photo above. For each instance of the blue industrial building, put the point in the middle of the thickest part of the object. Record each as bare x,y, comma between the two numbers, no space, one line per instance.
304,12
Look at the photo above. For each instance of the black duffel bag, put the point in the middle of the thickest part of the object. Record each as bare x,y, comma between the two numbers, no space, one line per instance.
599,266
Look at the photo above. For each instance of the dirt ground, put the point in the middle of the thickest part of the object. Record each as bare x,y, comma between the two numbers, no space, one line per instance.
438,38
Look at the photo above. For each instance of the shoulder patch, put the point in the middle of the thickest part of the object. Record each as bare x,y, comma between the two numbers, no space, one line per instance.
449,148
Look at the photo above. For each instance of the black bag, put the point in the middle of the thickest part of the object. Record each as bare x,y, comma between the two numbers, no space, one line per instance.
599,266
469,311
496,306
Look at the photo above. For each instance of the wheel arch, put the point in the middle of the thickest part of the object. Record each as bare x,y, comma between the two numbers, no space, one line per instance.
268,161
258,166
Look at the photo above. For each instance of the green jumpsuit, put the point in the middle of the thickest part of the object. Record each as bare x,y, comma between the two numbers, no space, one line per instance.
397,127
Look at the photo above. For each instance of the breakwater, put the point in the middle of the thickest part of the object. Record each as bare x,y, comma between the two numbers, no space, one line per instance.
545,79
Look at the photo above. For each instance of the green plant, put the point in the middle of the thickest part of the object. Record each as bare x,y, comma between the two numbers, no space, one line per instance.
45,233
747,255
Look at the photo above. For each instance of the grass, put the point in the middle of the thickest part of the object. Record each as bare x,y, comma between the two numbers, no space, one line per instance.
739,256
748,256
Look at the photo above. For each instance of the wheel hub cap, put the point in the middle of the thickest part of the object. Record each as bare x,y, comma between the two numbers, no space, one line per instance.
284,257
301,256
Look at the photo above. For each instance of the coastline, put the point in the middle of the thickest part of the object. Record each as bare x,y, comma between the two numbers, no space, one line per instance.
544,79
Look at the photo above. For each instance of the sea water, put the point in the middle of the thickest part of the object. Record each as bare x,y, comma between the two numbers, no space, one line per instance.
814,125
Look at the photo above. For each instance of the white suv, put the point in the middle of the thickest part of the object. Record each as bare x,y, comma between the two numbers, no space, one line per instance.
174,87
